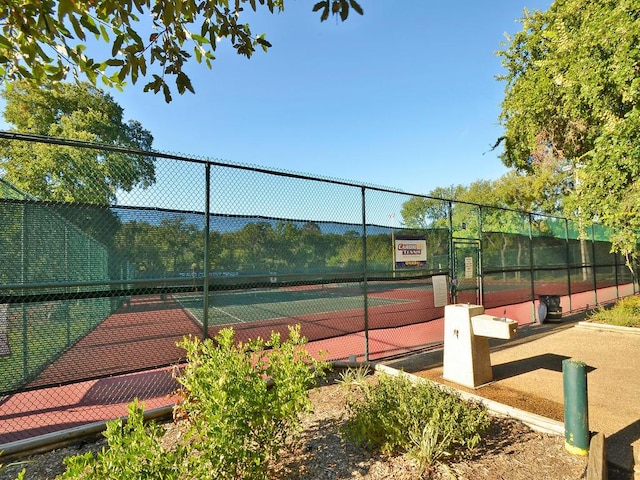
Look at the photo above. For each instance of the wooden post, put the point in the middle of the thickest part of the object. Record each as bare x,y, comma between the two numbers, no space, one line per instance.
597,466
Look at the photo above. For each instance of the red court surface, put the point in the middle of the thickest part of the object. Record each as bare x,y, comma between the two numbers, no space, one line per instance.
151,334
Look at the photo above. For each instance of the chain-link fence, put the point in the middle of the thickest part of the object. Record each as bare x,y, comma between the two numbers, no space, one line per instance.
100,279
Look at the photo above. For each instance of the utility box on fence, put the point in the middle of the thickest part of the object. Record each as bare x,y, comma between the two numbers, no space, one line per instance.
467,330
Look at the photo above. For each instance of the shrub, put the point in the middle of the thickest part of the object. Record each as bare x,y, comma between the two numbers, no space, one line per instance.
420,419
625,313
134,452
237,424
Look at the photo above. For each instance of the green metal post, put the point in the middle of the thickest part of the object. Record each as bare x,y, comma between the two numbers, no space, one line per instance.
23,280
593,265
65,237
365,275
206,268
615,270
576,408
479,268
568,257
452,256
532,271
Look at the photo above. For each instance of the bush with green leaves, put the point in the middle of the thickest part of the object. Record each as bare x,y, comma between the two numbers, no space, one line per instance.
625,313
134,452
395,415
241,402
238,424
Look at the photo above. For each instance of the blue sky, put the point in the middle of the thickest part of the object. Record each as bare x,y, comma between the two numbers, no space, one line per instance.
404,96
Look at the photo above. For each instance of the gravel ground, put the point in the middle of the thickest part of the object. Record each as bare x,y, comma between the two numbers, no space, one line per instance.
510,450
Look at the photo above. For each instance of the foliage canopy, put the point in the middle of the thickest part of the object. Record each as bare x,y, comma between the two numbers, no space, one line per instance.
572,102
80,112
54,39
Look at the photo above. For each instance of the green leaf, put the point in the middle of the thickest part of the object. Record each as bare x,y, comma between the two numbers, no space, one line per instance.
135,37
49,25
319,5
4,42
154,85
117,45
104,33
124,71
143,66
344,11
200,39
356,6
77,28
114,62
65,8
183,83
88,22
166,92
325,14
264,43
168,14
141,5
90,73
134,61
41,53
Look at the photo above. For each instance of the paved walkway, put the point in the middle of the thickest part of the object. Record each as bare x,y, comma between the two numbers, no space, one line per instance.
532,364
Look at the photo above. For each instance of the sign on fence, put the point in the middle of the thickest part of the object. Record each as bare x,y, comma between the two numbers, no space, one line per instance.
410,252
440,291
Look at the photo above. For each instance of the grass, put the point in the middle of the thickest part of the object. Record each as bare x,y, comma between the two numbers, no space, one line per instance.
625,313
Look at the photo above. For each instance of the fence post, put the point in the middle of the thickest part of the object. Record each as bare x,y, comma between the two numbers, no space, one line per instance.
23,280
364,276
205,267
532,269
480,268
566,236
67,277
593,265
452,260
615,272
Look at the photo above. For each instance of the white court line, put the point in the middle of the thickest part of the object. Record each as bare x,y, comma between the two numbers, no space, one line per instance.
385,301
239,320
227,314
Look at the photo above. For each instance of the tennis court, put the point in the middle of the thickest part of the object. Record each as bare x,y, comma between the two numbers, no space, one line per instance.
256,305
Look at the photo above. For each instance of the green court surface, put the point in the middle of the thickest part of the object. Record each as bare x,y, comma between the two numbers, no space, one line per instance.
254,305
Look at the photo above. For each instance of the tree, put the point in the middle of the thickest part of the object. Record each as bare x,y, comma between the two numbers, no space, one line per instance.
252,244
431,211
572,98
70,174
48,39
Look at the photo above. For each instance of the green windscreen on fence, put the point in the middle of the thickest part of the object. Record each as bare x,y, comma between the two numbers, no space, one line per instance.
111,285
41,253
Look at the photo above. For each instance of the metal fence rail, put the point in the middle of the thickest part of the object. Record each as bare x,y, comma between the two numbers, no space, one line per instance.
94,289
